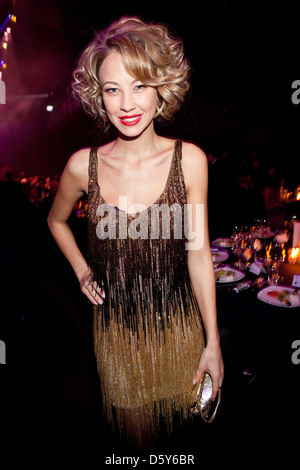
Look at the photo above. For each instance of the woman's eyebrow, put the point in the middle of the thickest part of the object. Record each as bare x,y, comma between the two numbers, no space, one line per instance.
116,83
111,82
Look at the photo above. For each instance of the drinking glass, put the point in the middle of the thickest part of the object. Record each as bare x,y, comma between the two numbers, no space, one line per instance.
273,263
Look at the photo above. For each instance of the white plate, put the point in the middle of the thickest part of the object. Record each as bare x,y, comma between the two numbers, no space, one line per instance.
224,242
219,255
236,276
265,297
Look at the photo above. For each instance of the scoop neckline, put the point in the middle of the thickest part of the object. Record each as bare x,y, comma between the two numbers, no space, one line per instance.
147,209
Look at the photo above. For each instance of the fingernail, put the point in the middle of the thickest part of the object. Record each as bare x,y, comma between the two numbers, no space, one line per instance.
100,301
194,381
103,294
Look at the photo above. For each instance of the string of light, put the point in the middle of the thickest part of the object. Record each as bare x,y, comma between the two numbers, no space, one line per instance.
5,29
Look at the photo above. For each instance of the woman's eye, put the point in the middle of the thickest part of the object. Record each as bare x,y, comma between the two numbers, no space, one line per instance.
140,87
111,90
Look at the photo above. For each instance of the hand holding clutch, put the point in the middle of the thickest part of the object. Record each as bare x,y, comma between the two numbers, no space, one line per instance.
200,402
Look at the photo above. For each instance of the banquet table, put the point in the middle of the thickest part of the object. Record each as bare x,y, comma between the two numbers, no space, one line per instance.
255,335
262,379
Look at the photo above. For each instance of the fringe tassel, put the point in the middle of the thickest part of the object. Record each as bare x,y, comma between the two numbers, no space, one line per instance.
151,378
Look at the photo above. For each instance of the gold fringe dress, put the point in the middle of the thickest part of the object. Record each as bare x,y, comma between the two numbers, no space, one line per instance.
148,333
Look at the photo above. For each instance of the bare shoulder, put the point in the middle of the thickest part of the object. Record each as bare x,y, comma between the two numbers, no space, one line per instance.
79,161
77,168
194,163
192,154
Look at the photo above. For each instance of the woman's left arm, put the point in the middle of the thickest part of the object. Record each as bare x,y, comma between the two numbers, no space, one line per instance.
200,263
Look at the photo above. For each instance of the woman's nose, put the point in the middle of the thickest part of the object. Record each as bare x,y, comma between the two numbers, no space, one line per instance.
127,103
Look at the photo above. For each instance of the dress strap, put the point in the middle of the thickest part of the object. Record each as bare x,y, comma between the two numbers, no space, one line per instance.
93,168
178,149
177,182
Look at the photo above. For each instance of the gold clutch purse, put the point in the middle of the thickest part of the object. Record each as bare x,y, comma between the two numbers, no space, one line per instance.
201,403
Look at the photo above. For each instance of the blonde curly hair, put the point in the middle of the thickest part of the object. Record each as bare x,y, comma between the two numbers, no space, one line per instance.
150,54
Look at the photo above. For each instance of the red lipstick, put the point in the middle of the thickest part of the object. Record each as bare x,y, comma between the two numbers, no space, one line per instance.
131,120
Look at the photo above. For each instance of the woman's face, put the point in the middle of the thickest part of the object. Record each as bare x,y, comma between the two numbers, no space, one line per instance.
130,105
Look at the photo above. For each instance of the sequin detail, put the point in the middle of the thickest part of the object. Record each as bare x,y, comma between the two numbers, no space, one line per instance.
148,334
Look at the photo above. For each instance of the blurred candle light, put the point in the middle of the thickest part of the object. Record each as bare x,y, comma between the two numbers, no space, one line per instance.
294,255
268,250
283,252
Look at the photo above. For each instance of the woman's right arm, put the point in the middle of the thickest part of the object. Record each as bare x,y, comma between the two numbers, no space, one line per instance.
73,184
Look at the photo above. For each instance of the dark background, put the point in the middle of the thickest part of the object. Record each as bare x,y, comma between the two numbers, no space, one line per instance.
244,61
244,57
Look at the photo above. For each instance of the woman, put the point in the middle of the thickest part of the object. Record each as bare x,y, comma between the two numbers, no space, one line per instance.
147,288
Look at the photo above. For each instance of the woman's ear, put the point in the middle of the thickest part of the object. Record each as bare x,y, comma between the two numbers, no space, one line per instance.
159,106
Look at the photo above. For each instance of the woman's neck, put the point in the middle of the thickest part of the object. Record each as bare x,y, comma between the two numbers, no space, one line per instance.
137,148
